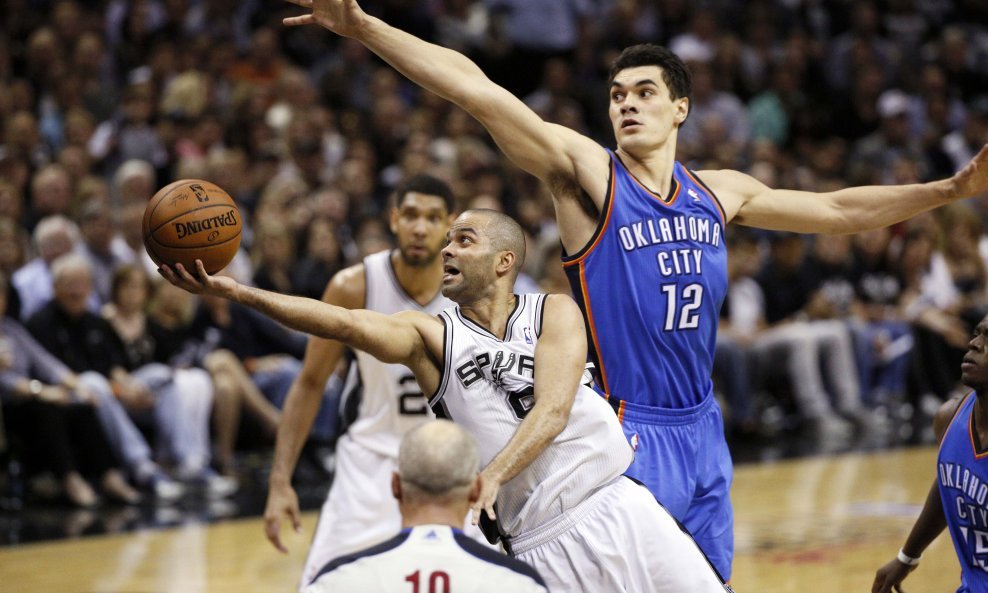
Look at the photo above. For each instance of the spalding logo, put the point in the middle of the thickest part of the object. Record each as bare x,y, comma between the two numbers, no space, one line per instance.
185,229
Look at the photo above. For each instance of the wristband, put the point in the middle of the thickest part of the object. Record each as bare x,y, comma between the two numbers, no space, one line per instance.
908,560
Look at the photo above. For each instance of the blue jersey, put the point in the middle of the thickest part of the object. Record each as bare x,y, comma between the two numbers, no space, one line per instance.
962,477
651,283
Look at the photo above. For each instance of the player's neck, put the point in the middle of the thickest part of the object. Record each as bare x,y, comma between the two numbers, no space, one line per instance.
491,312
652,166
425,514
422,283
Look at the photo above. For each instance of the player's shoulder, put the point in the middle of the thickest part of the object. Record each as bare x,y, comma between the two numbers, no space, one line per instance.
348,287
945,414
512,565
349,560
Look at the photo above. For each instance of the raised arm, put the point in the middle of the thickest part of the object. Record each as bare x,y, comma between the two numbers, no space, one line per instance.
560,358
851,210
540,148
322,356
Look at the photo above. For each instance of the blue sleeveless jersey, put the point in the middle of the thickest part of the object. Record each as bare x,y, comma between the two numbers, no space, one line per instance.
962,477
651,283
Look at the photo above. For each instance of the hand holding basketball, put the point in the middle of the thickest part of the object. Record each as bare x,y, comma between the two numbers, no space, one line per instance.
198,281
192,219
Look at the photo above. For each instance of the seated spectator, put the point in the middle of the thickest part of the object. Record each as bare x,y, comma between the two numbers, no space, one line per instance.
54,237
51,410
84,342
127,314
819,353
255,351
102,245
321,259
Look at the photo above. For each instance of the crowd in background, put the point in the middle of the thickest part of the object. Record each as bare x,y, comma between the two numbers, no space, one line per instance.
102,102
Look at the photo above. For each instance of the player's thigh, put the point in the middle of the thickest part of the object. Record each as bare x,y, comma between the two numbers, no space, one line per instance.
626,543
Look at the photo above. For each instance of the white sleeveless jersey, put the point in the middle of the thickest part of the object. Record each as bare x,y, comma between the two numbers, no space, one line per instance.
427,559
487,387
381,402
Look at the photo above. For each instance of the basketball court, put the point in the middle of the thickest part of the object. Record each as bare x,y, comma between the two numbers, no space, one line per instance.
821,523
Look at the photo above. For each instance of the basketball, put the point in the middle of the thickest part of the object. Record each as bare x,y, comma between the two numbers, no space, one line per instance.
192,219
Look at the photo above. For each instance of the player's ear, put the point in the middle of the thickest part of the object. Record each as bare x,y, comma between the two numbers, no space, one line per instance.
396,486
682,109
505,261
393,221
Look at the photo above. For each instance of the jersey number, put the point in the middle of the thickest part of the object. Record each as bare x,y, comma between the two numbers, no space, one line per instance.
411,400
681,311
522,401
438,582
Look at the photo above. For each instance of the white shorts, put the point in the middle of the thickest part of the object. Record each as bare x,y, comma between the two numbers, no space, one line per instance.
623,540
360,510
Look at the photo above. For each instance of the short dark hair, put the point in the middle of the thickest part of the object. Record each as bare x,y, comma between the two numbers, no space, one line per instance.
675,72
428,185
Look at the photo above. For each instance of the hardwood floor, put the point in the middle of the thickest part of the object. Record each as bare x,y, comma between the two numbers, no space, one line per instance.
813,524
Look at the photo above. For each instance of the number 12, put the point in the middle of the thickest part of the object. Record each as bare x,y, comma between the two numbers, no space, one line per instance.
684,308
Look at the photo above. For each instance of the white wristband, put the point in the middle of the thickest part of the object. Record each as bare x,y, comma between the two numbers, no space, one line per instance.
907,560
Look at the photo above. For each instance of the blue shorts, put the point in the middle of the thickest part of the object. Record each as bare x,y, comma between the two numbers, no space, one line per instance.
683,459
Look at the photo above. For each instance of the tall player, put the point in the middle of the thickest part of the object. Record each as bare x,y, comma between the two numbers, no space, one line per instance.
645,246
508,368
957,499
384,398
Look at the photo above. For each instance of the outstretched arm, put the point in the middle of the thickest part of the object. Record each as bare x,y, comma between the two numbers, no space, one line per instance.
560,358
930,523
538,147
849,210
389,338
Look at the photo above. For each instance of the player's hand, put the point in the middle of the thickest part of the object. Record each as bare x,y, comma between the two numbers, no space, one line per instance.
489,486
343,17
282,500
201,283
889,577
973,179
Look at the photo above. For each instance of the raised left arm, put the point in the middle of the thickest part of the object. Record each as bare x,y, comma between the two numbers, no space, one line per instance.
851,210
560,357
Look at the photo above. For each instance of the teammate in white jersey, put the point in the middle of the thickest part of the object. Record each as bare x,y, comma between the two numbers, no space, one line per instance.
553,462
383,401
435,485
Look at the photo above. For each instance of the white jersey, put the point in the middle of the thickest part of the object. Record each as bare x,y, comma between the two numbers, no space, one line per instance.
381,402
487,387
427,558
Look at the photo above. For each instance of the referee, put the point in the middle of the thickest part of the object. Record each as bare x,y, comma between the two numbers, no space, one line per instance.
436,482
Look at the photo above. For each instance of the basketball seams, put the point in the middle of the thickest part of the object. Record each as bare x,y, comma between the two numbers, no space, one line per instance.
185,212
178,184
206,246
181,205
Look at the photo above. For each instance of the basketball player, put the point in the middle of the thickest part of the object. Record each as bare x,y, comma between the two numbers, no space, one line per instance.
644,243
508,369
383,400
435,485
957,499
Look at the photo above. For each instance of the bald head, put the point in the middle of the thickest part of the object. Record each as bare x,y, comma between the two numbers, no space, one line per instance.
437,459
504,232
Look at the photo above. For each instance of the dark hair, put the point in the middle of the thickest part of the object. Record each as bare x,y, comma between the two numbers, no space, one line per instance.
675,73
428,185
124,273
